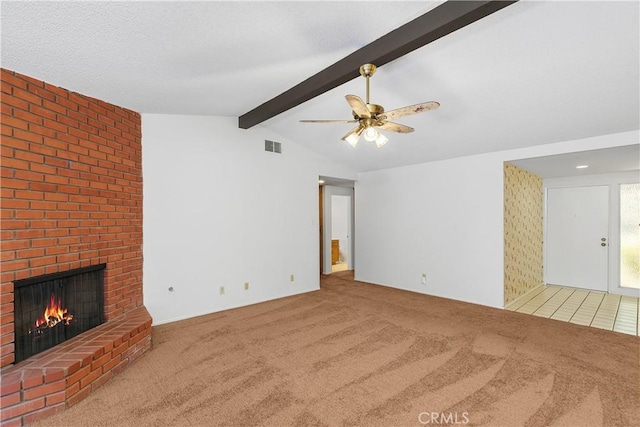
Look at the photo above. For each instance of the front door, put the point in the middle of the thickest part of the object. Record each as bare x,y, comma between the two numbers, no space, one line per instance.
577,237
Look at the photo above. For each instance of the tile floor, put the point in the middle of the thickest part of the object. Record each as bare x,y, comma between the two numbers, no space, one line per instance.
339,266
583,307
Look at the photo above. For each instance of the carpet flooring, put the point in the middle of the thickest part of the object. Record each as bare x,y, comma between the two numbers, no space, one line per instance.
356,354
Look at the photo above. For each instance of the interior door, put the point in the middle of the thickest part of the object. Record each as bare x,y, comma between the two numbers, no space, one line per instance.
577,241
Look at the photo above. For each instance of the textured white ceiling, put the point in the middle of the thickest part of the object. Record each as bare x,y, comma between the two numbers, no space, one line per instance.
178,57
533,73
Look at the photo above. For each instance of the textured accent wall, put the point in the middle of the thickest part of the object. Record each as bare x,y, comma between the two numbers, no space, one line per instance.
523,210
71,193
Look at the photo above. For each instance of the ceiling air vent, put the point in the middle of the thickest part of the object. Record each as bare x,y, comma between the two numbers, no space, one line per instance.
272,146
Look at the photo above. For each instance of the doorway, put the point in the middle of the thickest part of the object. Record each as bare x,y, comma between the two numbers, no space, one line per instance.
341,233
616,171
337,246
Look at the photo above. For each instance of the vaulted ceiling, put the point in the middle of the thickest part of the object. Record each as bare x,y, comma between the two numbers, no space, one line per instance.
535,72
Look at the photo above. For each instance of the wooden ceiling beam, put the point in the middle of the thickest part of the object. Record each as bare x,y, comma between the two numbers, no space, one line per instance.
443,20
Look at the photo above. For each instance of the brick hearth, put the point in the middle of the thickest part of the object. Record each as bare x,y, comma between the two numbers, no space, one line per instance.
71,196
63,375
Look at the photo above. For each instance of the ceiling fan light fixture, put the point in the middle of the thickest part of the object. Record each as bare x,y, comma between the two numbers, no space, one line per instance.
370,134
370,116
352,138
381,140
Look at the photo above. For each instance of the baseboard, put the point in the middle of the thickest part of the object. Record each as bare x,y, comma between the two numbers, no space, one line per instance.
523,296
231,307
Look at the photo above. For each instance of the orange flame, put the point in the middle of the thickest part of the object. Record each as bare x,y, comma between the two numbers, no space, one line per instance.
54,314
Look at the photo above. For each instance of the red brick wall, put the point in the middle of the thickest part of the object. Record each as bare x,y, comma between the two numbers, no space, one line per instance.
71,193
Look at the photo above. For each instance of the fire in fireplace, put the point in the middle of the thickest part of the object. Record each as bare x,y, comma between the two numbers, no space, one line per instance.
53,308
53,314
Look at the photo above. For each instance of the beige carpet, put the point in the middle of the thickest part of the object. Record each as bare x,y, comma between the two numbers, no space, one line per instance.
354,354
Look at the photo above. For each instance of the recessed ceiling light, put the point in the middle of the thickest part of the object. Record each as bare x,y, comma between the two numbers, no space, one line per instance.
582,166
321,181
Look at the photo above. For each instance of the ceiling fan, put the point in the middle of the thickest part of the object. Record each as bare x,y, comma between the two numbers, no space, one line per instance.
371,117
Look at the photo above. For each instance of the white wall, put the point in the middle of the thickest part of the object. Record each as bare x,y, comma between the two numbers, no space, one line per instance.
220,211
444,219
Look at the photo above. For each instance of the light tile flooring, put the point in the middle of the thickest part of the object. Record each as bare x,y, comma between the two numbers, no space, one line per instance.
339,266
583,307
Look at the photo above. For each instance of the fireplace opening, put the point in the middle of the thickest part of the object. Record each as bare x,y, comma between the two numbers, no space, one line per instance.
53,308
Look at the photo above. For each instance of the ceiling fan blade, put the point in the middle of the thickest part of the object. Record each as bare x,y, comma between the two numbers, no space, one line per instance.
395,127
411,109
328,121
358,106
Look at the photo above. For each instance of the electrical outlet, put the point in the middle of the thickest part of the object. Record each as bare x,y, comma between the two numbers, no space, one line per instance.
292,278
221,290
246,286
424,278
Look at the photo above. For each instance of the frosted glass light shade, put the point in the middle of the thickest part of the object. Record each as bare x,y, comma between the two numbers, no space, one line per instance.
370,134
381,140
353,139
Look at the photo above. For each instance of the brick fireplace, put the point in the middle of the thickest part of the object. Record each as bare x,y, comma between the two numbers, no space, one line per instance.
71,197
